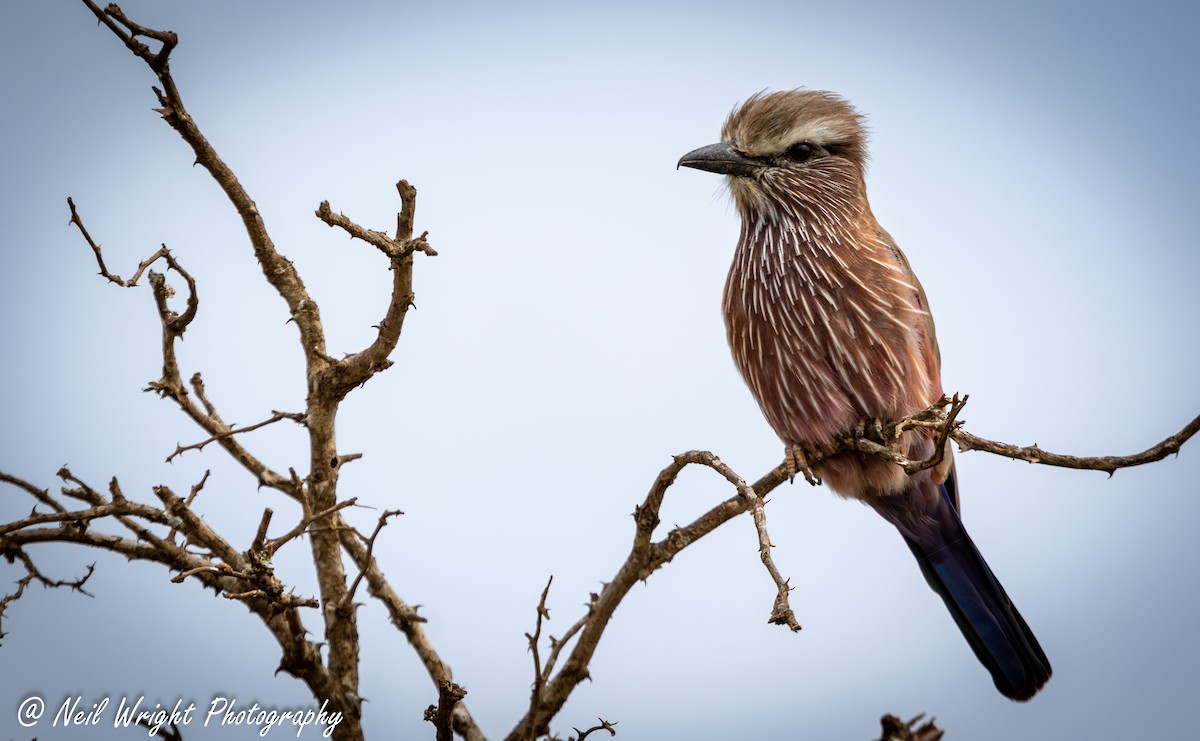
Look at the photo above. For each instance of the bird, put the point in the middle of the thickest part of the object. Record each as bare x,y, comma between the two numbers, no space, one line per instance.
831,330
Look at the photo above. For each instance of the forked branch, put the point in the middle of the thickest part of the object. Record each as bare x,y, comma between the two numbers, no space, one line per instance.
940,420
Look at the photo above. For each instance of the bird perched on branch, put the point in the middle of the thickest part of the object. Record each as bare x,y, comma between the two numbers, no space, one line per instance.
832,332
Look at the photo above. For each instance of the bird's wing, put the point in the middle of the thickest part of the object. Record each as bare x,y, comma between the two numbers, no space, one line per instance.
922,301
951,476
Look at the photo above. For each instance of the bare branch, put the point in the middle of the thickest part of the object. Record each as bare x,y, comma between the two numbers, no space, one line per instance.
282,600
202,394
539,674
279,271
781,611
1107,463
260,537
406,619
273,546
644,558
196,489
238,577
171,384
359,367
894,729
275,417
157,61
33,574
113,278
442,714
556,644
395,249
383,518
328,382
81,518
42,495
604,726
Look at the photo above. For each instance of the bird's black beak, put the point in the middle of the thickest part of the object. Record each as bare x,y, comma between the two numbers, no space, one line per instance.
721,158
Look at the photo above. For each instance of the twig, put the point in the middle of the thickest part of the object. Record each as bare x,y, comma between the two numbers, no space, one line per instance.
237,575
260,537
275,417
383,518
42,495
941,420
81,518
1107,463
644,558
32,574
273,546
112,278
442,714
781,612
173,327
196,489
359,367
406,619
894,729
281,601
556,645
395,249
279,272
157,61
539,674
604,726
202,394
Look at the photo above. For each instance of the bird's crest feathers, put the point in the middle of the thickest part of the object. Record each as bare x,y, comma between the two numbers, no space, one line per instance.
767,124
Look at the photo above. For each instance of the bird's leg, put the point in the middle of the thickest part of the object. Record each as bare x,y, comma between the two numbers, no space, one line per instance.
796,457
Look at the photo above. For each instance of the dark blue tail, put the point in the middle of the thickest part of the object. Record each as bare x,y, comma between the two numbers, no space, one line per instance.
929,522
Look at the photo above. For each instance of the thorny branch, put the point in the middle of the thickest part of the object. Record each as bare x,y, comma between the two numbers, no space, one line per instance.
383,518
162,252
328,382
647,556
218,566
405,618
33,574
272,546
603,726
442,714
171,385
1107,463
355,369
275,417
540,673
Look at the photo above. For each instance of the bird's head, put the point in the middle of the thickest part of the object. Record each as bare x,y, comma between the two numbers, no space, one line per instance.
781,146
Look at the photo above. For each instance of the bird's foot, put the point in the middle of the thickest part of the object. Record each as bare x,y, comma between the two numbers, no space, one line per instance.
797,458
869,428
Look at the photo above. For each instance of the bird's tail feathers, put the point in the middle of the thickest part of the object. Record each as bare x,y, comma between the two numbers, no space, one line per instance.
987,618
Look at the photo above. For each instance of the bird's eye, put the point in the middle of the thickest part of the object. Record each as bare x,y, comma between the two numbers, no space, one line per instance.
801,152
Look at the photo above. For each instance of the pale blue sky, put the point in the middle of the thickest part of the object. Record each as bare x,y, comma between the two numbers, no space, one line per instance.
1036,163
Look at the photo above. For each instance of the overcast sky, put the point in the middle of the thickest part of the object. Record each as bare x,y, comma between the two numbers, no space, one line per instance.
1036,161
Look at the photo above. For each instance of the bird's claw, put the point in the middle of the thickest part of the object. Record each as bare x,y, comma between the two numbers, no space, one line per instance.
796,458
869,428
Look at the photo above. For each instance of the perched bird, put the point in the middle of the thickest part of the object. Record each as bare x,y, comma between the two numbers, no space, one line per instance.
831,330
